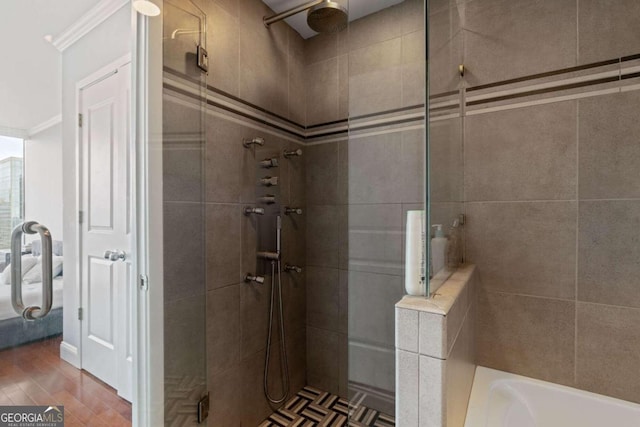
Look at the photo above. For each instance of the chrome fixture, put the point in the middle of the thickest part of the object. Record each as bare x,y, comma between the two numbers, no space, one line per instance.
268,199
115,255
323,16
249,210
289,268
255,141
290,211
269,181
255,279
32,312
276,286
182,32
292,153
269,163
268,255
274,255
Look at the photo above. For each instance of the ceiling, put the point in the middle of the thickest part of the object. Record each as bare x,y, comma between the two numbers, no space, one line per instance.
30,78
357,9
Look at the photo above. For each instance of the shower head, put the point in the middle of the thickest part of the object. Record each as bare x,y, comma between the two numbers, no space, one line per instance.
327,17
323,16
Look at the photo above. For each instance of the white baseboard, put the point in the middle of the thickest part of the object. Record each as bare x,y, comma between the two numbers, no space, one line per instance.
69,353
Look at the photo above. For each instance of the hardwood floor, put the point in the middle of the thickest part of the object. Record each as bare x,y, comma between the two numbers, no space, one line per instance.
34,374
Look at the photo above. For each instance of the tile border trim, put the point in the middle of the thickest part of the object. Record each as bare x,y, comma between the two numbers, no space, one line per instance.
192,91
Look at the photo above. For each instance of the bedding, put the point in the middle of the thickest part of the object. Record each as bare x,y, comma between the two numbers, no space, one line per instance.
28,262
34,275
31,295
36,248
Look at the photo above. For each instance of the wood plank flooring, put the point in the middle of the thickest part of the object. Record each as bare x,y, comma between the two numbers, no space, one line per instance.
34,374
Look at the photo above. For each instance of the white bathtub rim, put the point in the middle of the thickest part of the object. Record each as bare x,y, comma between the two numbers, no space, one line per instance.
487,380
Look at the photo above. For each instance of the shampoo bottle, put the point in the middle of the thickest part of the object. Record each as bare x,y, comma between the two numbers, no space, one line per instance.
438,249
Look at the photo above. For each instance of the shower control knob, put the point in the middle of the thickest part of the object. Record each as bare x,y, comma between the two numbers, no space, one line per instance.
292,153
255,141
268,199
290,211
289,268
249,210
269,181
255,279
269,163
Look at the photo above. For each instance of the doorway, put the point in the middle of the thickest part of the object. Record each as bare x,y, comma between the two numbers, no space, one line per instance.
70,341
106,310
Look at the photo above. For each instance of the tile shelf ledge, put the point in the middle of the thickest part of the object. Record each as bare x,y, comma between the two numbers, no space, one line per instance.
446,295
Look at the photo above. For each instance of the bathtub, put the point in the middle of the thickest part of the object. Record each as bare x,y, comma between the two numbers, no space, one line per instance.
500,399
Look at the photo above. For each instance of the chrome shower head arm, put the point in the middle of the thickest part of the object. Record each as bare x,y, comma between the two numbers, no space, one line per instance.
287,13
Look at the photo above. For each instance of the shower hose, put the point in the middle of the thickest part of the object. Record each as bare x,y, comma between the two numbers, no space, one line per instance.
276,283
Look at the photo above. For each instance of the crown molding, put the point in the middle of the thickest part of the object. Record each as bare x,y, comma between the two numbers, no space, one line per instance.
13,132
87,22
45,125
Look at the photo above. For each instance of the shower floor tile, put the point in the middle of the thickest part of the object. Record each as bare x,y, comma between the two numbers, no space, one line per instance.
313,407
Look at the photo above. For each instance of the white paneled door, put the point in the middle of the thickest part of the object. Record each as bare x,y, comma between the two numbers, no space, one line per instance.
107,283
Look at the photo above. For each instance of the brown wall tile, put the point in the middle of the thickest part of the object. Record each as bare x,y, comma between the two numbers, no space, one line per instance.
522,154
322,91
527,336
526,248
223,328
505,39
608,348
323,297
608,252
607,29
321,163
375,28
609,151
446,160
375,76
184,271
223,245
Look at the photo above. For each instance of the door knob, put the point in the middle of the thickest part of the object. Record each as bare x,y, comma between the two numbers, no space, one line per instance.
115,255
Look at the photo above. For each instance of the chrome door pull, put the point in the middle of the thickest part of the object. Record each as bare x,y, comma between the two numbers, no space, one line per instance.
115,255
32,312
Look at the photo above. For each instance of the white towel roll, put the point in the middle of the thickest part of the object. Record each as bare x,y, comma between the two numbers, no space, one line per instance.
415,274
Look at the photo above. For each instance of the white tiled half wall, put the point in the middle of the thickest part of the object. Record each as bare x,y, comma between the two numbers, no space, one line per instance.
435,354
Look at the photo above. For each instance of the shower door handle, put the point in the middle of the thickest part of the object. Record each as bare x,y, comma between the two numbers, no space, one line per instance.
32,312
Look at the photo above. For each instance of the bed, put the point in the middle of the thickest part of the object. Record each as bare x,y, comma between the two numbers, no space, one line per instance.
14,330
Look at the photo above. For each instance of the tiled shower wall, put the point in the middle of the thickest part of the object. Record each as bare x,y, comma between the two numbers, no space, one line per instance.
209,179
359,188
260,66
551,185
351,188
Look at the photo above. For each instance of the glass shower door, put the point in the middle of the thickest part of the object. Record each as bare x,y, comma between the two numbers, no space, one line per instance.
184,248
385,160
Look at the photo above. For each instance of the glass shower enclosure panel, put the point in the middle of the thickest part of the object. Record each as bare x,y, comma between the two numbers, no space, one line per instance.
184,249
446,92
384,158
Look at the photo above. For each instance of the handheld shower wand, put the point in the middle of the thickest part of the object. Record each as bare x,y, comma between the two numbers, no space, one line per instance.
276,284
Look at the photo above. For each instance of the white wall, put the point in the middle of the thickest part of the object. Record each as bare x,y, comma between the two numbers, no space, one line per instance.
104,44
30,75
43,180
